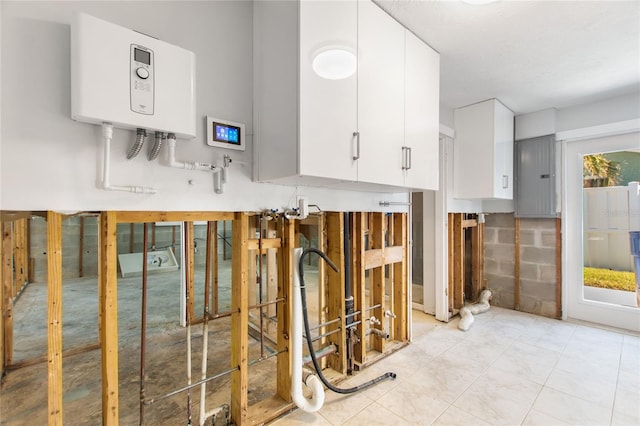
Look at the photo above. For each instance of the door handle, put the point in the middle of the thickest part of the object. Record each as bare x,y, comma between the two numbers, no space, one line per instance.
357,136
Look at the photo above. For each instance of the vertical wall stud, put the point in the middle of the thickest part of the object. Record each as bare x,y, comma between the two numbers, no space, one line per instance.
54,317
516,273
7,286
109,310
240,319
359,283
558,268
336,289
377,288
401,280
285,309
189,268
458,261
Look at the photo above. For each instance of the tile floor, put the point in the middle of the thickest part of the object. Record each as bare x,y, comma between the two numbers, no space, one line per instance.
510,368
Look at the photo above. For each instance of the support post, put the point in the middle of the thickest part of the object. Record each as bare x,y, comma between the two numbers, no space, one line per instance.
451,266
359,284
109,316
7,286
189,269
458,261
377,288
516,272
285,310
336,283
240,319
558,268
401,281
20,258
54,318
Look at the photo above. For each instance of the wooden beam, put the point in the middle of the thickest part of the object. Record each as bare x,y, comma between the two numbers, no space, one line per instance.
477,260
559,268
7,286
240,320
516,272
267,243
20,259
54,318
401,279
143,216
359,283
81,247
212,237
323,295
377,288
458,261
335,287
109,314
189,265
2,304
285,309
450,264
272,285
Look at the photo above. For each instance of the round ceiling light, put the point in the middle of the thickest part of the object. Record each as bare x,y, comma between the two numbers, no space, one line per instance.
335,63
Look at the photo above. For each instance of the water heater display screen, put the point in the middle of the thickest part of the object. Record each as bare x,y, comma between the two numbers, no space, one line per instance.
226,133
142,56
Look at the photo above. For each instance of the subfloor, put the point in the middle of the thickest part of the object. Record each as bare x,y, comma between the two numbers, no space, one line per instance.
510,368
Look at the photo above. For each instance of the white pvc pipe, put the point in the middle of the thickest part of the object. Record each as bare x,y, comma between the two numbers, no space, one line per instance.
107,135
312,381
185,164
203,387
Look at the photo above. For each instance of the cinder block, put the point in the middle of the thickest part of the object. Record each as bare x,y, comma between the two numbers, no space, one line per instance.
545,256
490,235
507,268
548,239
529,271
548,274
500,220
502,298
538,290
499,282
499,252
506,236
491,266
530,304
537,224
548,309
527,237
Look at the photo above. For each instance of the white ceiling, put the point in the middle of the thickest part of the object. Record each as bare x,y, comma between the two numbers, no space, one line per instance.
531,55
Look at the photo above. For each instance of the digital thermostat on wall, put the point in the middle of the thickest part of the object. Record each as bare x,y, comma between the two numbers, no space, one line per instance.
225,134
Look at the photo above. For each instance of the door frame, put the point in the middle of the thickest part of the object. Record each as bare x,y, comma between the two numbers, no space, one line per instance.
574,305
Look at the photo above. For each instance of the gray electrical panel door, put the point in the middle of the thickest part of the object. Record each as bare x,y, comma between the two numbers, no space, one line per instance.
535,177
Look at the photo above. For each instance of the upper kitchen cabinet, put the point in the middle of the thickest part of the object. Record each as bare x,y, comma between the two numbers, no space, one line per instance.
422,114
342,93
483,151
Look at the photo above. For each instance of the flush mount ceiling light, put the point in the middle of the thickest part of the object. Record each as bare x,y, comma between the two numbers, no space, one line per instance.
335,63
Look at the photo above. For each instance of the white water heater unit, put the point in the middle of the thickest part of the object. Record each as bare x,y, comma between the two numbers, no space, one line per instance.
130,79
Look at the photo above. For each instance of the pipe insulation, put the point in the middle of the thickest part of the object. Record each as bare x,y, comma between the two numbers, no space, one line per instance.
107,136
298,258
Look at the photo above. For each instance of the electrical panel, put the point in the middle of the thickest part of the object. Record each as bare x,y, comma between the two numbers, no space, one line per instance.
535,181
130,79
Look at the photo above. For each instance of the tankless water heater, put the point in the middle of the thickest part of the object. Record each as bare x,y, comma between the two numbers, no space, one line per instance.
130,79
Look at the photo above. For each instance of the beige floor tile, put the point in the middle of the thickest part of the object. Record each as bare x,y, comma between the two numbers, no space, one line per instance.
528,361
621,419
590,388
413,403
453,416
443,382
338,408
499,398
300,417
376,415
536,418
571,409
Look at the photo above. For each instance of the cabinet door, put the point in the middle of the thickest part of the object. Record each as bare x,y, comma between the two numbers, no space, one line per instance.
422,122
503,152
328,108
380,96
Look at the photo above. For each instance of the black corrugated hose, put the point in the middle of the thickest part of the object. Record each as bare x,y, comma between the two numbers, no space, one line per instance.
312,353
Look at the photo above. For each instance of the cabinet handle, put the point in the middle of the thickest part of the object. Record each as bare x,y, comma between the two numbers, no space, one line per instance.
357,136
409,158
404,158
505,181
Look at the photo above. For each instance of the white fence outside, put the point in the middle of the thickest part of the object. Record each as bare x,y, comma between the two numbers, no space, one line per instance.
609,214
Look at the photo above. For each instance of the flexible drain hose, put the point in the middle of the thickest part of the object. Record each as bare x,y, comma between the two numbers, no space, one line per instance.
307,331
134,150
155,149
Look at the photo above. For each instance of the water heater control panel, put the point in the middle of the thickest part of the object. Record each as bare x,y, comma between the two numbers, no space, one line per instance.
142,80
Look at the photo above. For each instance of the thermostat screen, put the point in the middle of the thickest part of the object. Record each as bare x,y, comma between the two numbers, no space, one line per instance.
226,133
142,56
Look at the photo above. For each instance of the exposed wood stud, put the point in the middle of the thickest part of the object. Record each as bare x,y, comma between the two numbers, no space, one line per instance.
240,319
377,287
451,266
516,273
285,309
108,282
359,282
54,318
401,280
336,283
458,261
142,216
7,286
558,268
212,237
81,248
189,269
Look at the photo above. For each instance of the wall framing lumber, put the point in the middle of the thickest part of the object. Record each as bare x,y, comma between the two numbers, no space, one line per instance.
458,261
240,319
108,283
212,279
20,256
558,268
516,273
477,260
359,283
336,290
377,289
54,318
450,269
142,216
7,290
400,279
189,269
285,309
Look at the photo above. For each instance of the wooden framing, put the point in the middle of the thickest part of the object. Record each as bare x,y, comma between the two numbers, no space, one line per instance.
240,320
54,318
558,268
458,261
285,311
7,292
477,260
335,286
108,303
516,273
400,280
188,270
359,282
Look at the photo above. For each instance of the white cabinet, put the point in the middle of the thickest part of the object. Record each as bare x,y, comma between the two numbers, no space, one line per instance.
422,114
483,151
316,131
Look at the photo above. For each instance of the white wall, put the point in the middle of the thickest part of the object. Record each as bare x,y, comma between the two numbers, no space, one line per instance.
49,162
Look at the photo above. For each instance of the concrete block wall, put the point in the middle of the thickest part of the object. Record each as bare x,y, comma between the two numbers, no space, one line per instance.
537,263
